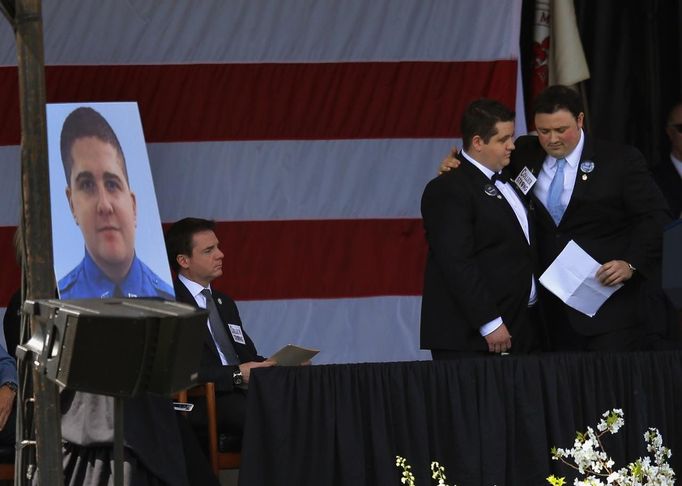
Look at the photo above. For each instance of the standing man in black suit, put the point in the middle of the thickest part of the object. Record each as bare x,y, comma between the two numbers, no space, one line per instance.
602,196
228,354
668,173
479,287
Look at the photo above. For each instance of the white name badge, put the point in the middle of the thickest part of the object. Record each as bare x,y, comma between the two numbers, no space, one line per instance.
525,180
237,334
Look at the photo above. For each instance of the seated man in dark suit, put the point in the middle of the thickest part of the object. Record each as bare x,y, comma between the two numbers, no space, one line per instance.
228,355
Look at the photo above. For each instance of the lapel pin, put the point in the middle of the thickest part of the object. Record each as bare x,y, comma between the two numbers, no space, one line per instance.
586,166
220,301
490,190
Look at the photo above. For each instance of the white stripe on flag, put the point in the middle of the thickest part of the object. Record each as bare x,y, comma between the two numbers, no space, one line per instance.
344,330
335,179
152,32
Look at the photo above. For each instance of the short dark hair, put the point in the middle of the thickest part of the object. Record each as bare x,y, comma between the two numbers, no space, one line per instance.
180,235
86,122
558,97
480,118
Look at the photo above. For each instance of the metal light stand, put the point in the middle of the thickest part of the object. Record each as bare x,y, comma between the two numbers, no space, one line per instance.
163,340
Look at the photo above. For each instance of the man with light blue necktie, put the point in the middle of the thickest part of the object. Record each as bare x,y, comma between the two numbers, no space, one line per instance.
602,196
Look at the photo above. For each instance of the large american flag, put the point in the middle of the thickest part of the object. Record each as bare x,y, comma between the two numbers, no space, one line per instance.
306,128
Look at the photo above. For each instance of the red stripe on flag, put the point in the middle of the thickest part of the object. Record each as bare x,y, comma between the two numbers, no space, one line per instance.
302,259
321,259
203,102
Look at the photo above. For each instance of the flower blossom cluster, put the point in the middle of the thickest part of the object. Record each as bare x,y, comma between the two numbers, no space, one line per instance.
437,472
590,459
407,476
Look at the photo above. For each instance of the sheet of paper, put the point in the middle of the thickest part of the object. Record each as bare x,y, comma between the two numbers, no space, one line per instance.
571,277
292,355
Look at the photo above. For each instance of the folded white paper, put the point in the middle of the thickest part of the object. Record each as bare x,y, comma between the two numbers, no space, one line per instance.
571,277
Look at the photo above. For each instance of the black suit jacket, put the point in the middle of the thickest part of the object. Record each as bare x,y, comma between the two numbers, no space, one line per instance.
616,213
670,182
210,367
479,263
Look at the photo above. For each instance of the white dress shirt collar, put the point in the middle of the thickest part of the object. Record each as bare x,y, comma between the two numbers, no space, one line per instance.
487,172
194,289
677,163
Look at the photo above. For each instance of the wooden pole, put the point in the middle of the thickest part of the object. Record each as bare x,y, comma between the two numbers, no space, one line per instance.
38,274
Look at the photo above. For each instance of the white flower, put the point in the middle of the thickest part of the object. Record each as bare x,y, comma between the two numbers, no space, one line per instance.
588,481
612,421
612,478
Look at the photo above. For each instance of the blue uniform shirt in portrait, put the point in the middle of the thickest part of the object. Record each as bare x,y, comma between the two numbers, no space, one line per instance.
86,280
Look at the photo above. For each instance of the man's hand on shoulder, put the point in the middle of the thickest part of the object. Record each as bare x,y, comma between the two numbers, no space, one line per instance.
7,395
499,341
615,272
449,162
246,368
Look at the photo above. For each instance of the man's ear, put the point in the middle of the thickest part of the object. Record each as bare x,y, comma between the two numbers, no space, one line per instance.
476,143
580,120
183,261
671,132
132,195
68,198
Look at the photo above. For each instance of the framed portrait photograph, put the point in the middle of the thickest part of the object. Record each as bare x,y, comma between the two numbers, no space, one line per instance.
106,230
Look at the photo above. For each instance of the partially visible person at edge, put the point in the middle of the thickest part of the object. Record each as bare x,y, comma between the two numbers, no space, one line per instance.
479,293
105,210
668,172
668,175
8,393
602,196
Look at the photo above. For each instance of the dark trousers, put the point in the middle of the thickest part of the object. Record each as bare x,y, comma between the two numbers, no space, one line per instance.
197,465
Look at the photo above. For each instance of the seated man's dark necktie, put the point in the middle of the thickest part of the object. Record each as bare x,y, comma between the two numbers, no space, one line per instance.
219,331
